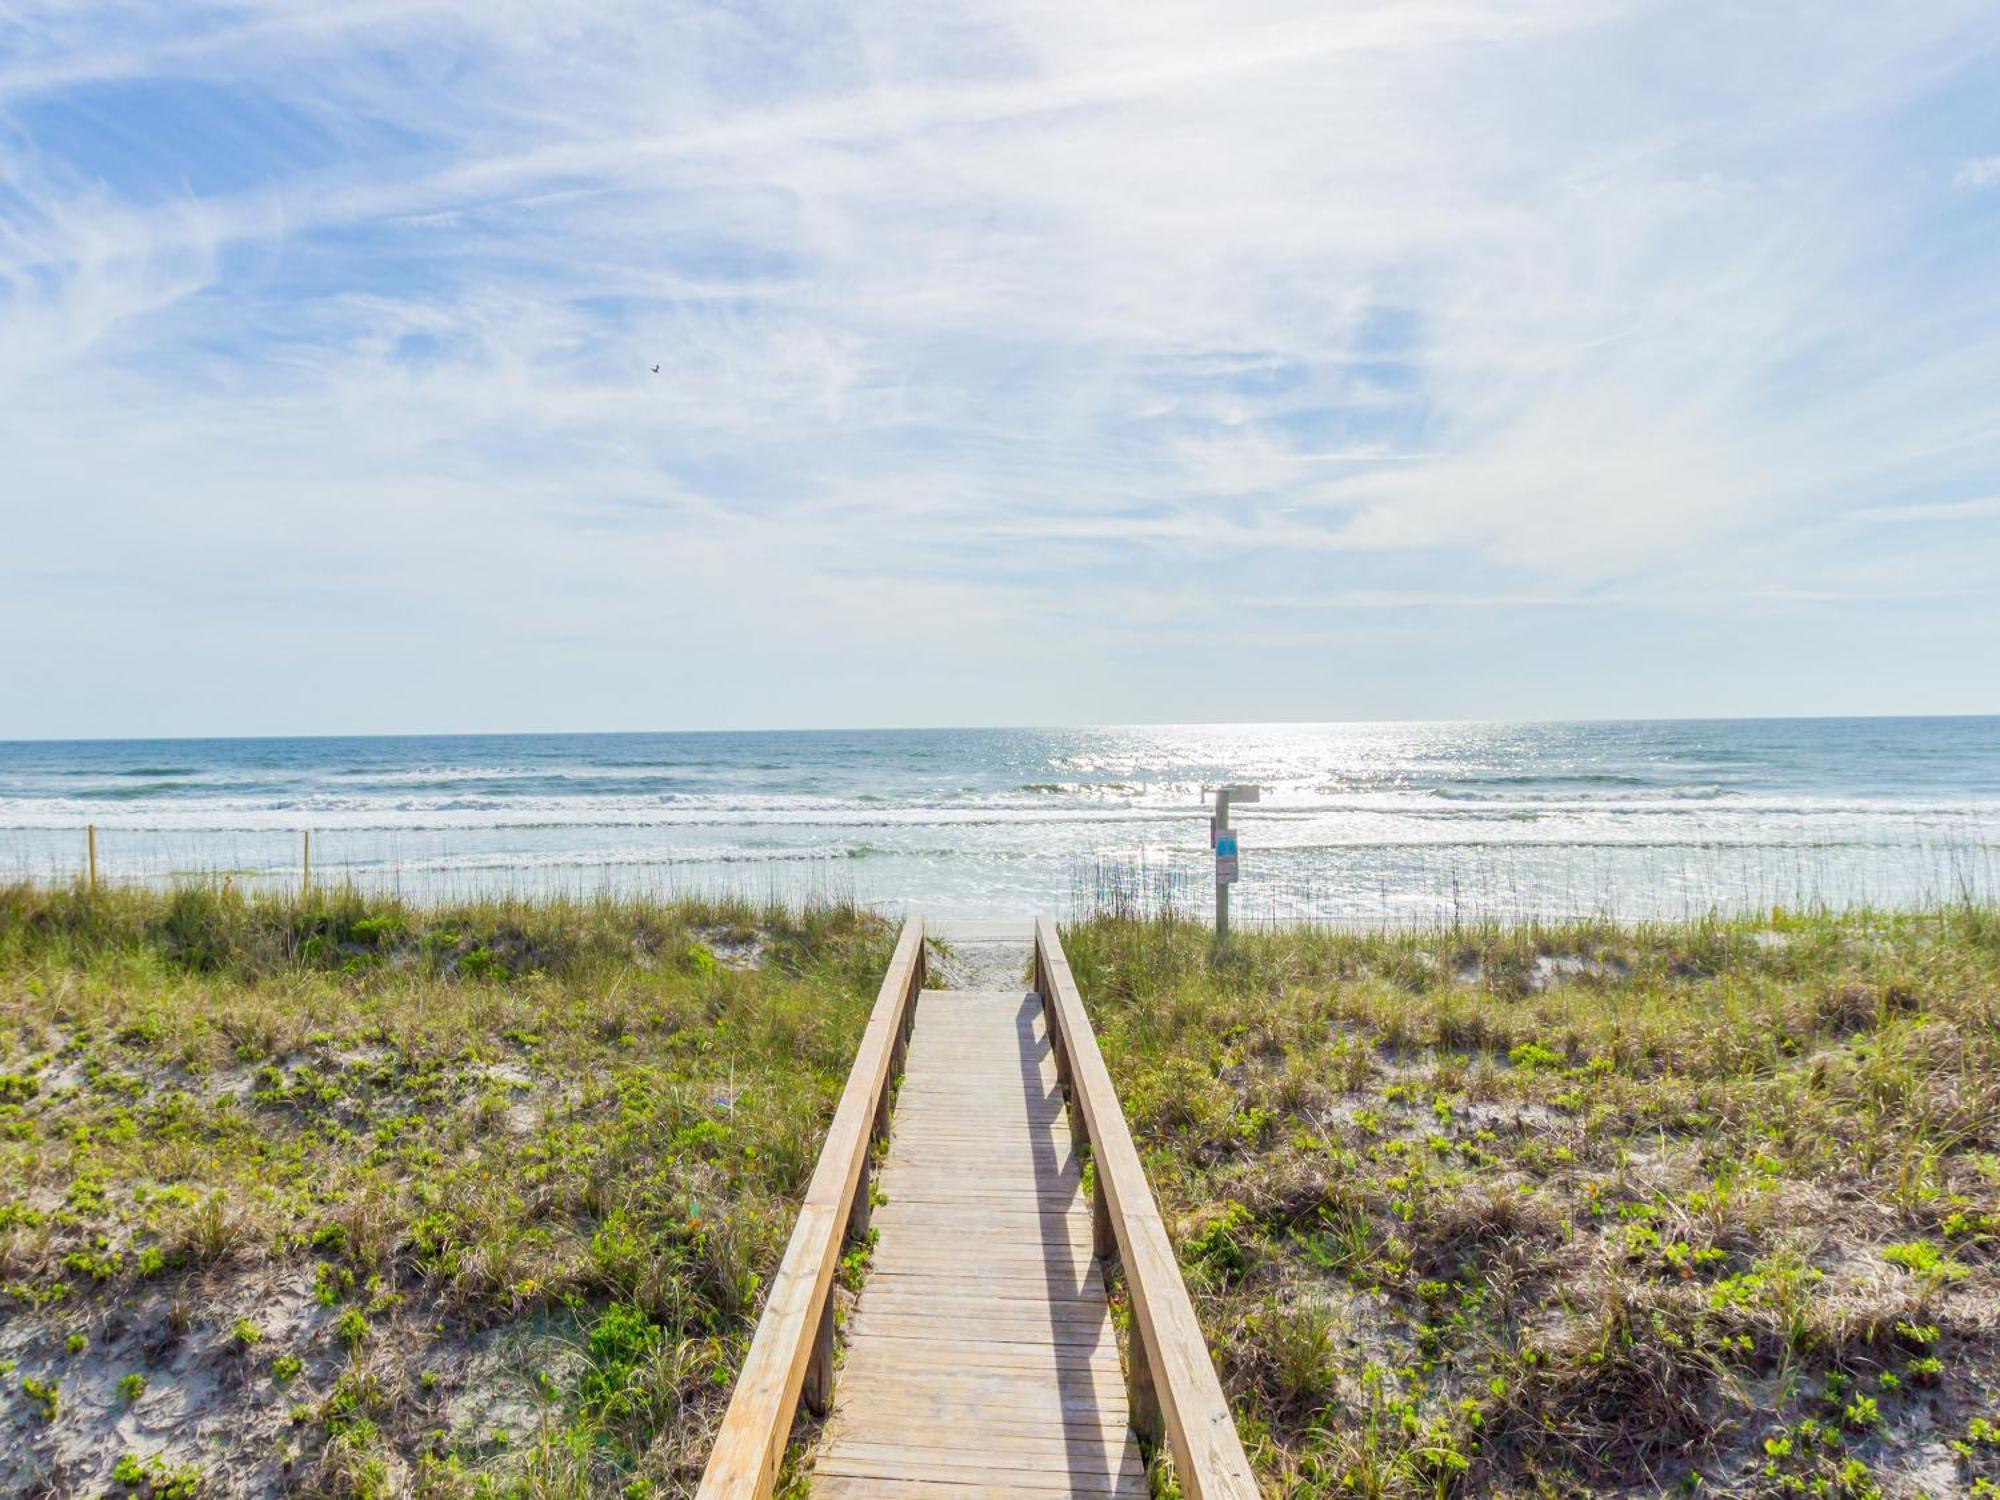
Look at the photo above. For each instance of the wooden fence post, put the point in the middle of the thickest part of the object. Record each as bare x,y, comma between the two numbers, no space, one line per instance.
92,839
306,866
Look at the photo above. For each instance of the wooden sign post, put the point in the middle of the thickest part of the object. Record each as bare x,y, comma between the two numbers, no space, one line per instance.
1222,838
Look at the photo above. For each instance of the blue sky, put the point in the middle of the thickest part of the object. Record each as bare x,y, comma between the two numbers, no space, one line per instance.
1022,362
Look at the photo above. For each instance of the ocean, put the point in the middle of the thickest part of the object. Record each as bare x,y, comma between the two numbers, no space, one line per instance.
1359,823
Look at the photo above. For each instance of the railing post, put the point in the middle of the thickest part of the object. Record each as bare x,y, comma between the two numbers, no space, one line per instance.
817,1392
1103,1239
1079,1128
864,1200
1142,1399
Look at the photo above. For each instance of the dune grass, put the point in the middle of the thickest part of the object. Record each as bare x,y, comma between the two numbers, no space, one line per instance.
335,1196
1561,1211
341,1197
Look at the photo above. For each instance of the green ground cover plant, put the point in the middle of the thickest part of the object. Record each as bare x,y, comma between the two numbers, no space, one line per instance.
336,1196
1706,1208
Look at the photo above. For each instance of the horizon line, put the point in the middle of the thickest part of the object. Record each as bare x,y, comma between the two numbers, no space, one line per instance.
1046,728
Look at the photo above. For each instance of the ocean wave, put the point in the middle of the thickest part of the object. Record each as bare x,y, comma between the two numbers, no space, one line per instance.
153,771
134,793
497,771
1661,813
1651,793
1559,778
1089,788
133,808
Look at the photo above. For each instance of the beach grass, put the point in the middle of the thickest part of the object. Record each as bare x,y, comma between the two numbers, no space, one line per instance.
1709,1207
336,1196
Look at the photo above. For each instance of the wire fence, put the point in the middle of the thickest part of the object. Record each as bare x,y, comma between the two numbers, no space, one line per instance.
1368,886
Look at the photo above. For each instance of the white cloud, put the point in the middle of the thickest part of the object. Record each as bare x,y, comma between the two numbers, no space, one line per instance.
1979,172
1941,510
1052,307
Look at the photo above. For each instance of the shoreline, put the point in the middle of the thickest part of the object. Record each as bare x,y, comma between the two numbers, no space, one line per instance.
1359,824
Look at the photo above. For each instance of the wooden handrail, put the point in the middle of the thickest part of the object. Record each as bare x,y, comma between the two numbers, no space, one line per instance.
1174,1388
791,1354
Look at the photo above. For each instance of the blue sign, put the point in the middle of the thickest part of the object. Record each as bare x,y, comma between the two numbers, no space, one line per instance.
1225,859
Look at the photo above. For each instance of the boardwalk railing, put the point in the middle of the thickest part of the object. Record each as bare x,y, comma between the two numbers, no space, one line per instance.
791,1355
1174,1390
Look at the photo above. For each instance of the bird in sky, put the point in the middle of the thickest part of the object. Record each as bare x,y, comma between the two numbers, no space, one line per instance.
656,369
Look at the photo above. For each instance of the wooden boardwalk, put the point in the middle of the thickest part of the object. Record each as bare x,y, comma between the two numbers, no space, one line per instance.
981,1360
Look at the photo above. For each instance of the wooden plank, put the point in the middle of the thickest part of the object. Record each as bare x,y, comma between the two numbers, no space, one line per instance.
916,1181
924,1353
1054,1320
1083,1457
979,1468
842,1488
1063,1302
989,1330
1208,1454
1050,1314
981,1446
1072,1260
982,1366
997,1283
1016,1232
929,1185
1087,1393
1048,1134
1024,1222
1063,1250
1030,1434
1030,1431
743,1464
937,1168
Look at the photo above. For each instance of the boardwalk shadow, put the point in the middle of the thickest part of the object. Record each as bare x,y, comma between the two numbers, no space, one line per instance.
1058,1190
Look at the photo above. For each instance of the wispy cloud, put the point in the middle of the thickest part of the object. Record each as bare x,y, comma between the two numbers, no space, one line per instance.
330,329
1979,172
1941,510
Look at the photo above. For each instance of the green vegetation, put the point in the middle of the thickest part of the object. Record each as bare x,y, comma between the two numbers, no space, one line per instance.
477,1201
1564,1211
487,1191
153,1478
46,1396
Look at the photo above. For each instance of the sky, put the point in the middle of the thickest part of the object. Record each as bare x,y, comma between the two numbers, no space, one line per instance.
1017,362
